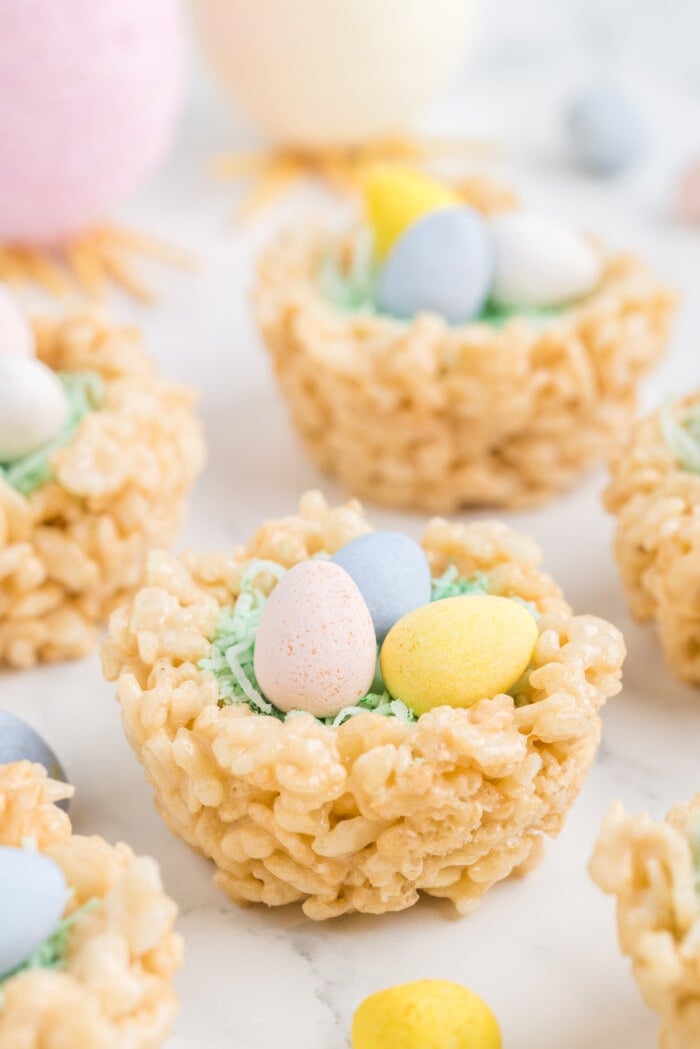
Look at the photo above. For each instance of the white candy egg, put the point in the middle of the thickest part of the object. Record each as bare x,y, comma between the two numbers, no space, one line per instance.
539,262
33,897
322,73
16,335
33,406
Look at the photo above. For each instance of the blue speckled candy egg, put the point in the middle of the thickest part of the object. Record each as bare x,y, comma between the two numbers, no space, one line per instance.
33,897
19,742
442,264
607,131
391,572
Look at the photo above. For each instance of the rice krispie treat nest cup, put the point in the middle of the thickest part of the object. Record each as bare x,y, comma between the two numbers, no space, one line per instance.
653,870
654,491
105,979
77,520
362,812
504,410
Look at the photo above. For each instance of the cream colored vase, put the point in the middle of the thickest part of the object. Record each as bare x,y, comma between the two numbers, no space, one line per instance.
333,72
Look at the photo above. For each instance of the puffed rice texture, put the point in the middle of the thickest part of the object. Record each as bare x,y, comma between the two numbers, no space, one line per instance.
366,816
648,866
427,416
115,990
657,541
76,547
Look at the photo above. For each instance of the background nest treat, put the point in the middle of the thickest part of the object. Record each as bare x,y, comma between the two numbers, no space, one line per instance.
74,548
420,414
650,868
115,986
657,543
365,816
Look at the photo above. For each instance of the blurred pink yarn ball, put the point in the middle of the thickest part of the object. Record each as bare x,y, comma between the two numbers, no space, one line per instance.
89,93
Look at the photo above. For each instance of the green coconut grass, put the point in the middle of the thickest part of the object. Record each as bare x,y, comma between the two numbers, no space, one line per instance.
51,954
682,437
233,648
85,393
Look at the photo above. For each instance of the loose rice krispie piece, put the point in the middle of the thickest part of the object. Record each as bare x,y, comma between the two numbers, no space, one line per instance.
109,986
364,811
653,870
504,410
76,524
655,493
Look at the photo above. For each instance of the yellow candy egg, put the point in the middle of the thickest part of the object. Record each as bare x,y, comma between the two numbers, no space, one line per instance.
426,1014
395,197
457,651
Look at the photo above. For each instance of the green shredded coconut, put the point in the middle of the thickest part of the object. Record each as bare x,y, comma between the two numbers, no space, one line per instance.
234,643
682,438
232,657
379,704
85,393
452,584
51,954
353,288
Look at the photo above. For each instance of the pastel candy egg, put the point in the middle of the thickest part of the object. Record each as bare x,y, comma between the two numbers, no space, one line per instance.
442,264
16,335
33,406
539,262
457,651
395,197
19,742
33,897
689,193
88,99
315,648
607,131
425,1014
391,572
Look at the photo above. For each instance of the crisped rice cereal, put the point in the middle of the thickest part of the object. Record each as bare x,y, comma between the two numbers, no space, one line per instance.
366,816
115,988
428,416
71,551
657,543
649,867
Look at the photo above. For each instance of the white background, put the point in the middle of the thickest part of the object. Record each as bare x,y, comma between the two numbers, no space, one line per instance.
542,952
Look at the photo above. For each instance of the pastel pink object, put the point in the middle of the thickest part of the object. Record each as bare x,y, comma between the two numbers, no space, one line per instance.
689,193
16,335
315,648
89,92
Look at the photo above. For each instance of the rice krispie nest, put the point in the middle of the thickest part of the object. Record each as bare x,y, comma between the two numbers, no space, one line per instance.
657,543
650,868
423,415
364,816
114,990
75,547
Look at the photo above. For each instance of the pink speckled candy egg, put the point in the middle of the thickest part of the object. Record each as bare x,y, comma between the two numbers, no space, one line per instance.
689,193
16,335
315,648
89,92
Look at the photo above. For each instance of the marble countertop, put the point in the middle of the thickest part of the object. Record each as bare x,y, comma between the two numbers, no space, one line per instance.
541,951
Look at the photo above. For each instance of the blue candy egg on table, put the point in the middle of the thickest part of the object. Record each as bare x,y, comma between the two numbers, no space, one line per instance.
33,897
391,572
607,130
20,742
443,264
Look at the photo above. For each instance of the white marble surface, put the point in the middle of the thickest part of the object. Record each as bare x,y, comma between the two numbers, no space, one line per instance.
542,951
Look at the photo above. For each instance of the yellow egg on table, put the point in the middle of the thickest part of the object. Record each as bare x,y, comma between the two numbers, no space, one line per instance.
395,197
457,651
426,1014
